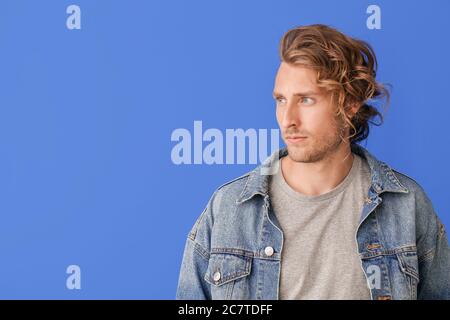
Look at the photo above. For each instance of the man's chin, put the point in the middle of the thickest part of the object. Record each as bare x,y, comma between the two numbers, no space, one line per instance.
297,154
302,154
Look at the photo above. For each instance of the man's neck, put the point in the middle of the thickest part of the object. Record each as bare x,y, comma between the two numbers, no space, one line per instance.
318,177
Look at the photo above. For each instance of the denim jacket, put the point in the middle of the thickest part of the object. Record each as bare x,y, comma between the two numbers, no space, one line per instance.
233,250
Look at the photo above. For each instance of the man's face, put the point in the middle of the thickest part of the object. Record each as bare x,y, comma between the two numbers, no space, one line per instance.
305,110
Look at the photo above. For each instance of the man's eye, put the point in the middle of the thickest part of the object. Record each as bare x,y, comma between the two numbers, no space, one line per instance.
280,100
307,100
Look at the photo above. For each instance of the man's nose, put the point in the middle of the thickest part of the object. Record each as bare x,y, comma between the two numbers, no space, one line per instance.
291,115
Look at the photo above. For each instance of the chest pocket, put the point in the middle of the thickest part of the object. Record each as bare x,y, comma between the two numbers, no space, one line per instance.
398,272
228,276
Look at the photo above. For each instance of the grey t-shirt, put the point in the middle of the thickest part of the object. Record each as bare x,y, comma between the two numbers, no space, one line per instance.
319,259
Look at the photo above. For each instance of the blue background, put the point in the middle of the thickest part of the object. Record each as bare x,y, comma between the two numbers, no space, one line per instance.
86,116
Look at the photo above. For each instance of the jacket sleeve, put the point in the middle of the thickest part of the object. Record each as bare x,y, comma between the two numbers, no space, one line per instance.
191,282
434,257
191,285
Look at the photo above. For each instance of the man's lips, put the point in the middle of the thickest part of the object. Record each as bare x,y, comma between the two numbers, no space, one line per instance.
295,138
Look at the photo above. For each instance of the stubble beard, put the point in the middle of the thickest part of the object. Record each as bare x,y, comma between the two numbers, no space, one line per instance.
317,149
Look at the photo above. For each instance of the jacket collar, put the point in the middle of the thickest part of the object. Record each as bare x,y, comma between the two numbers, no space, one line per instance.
383,179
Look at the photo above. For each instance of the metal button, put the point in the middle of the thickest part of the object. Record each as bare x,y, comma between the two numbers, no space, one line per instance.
268,251
216,276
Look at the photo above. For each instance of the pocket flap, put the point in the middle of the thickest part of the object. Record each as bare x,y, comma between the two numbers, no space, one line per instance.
225,267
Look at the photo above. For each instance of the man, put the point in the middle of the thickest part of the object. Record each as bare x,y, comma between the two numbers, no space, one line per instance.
321,218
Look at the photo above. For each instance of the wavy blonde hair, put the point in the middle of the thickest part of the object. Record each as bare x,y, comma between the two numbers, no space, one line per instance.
346,68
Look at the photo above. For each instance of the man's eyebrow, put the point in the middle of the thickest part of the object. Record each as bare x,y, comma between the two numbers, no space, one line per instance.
298,94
